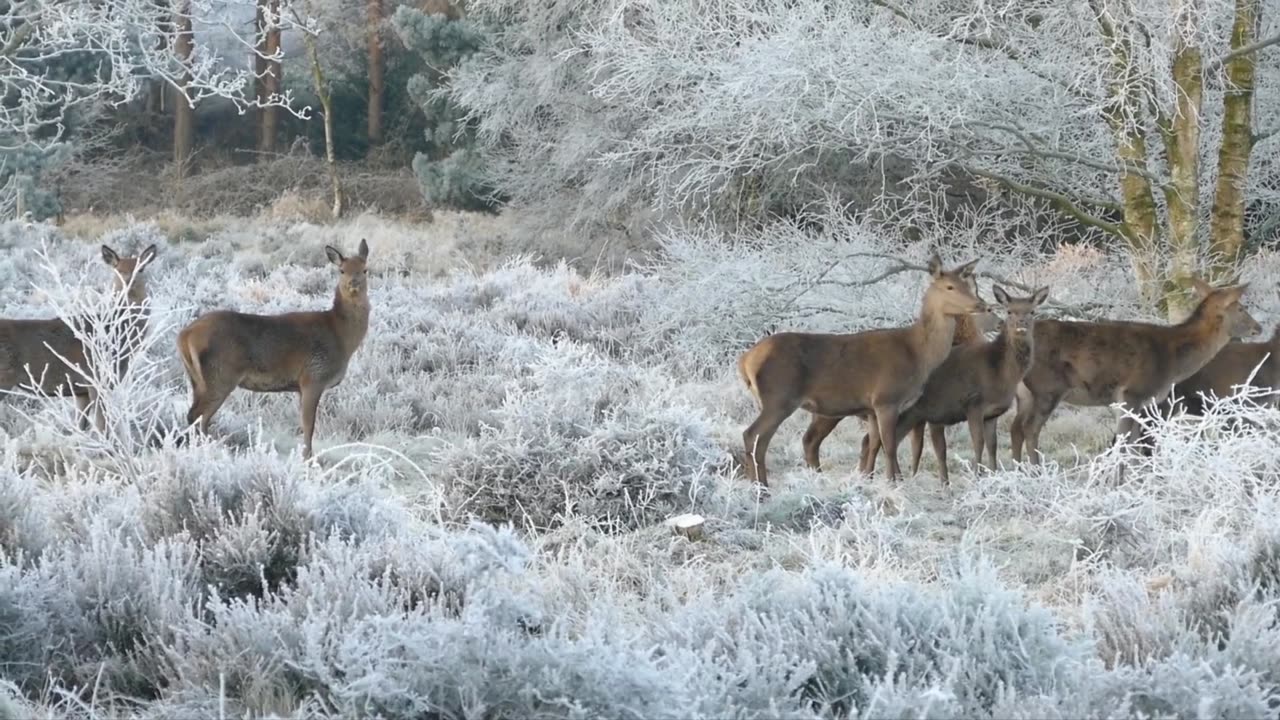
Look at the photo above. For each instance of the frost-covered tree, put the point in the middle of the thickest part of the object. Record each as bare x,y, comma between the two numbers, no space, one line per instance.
1150,123
120,47
451,170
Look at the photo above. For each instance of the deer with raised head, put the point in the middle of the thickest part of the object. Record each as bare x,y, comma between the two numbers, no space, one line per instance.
969,329
1135,363
975,384
299,352
876,372
1249,364
48,351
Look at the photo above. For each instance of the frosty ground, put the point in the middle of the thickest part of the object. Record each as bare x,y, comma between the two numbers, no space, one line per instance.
482,534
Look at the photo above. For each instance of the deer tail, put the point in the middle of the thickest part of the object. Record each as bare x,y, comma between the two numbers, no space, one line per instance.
190,355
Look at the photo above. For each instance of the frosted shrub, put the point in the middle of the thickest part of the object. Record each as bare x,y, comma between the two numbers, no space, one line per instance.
581,435
851,645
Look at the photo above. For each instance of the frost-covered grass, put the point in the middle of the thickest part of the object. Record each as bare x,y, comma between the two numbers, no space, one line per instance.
224,577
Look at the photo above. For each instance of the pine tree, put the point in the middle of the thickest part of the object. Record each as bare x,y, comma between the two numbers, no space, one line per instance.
451,170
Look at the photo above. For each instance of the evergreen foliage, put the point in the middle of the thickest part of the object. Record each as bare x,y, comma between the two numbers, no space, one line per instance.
451,170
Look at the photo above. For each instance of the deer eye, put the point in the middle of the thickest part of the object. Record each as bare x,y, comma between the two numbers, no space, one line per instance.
951,287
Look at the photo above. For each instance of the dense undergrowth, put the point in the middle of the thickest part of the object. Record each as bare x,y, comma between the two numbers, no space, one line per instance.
482,534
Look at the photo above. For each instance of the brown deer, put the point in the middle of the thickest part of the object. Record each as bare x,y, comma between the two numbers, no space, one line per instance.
969,329
976,383
1099,363
1255,365
879,372
300,352
51,352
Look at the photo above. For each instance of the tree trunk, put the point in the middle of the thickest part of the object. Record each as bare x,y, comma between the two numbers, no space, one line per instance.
1226,229
1138,202
1181,134
269,73
158,88
326,104
375,72
184,112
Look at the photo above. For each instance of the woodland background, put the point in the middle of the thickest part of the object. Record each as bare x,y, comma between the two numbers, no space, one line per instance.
580,212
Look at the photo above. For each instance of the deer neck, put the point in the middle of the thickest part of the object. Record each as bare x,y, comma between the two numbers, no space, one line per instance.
1200,337
1017,351
966,331
351,319
933,334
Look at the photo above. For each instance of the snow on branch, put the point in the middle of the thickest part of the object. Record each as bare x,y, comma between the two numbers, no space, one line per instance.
61,55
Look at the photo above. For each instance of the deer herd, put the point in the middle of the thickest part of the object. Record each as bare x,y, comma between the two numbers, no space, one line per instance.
939,371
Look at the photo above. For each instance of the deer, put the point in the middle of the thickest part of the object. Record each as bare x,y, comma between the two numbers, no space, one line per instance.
1251,364
299,352
43,354
969,329
977,383
1135,363
876,372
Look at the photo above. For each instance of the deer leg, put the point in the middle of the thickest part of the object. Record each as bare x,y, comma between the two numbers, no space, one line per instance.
871,445
887,418
820,427
205,406
989,434
976,436
938,438
309,399
917,447
1017,428
757,436
82,409
1042,407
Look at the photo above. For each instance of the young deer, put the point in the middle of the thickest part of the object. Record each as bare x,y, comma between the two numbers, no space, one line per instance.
37,344
1100,363
300,352
976,383
835,376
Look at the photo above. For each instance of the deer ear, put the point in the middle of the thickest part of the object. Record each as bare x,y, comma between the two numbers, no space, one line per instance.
334,256
1001,296
935,265
1238,291
147,256
1039,296
364,249
109,256
966,270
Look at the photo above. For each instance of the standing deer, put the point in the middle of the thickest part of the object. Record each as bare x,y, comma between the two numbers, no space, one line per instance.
300,352
969,329
976,383
834,376
51,352
1099,363
1255,365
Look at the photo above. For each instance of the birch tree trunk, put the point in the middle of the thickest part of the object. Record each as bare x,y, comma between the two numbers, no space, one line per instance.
1140,226
326,104
1181,135
1226,229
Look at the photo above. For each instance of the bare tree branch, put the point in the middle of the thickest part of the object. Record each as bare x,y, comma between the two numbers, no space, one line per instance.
1247,49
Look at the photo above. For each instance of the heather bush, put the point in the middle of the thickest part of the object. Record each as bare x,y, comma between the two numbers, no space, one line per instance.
482,530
